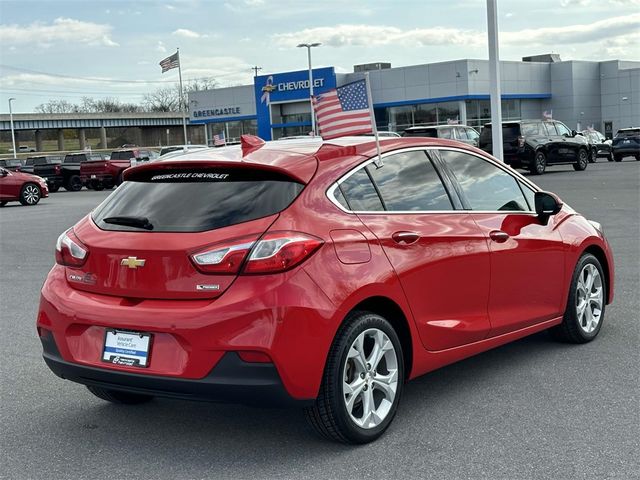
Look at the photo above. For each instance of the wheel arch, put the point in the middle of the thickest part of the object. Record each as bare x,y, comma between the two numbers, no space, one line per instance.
390,310
599,253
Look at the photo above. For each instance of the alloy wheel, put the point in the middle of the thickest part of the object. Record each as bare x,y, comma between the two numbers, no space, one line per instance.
370,378
31,194
589,298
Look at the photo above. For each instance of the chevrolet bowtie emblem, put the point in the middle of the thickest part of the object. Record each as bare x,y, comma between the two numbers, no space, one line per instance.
269,88
132,262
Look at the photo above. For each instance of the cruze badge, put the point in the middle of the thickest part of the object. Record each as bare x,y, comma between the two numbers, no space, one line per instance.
132,262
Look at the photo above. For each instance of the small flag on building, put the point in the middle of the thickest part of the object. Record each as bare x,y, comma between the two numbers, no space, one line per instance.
547,115
172,61
343,111
219,140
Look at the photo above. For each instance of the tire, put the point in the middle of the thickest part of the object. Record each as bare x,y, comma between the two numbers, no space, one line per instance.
577,326
122,398
30,194
617,158
120,178
331,416
74,184
98,187
54,188
593,158
539,163
583,160
610,157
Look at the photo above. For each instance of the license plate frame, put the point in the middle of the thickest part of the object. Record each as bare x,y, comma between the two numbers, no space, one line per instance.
126,348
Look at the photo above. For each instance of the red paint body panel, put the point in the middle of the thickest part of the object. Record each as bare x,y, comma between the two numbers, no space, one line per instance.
459,292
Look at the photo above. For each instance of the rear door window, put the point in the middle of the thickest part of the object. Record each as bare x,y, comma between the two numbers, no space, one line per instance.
550,129
197,200
408,182
531,129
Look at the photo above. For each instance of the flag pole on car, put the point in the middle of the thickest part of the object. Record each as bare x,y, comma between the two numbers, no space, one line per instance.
347,110
169,63
374,127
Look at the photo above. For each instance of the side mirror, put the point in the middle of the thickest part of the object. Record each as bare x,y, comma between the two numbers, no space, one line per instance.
573,133
547,204
4,172
133,161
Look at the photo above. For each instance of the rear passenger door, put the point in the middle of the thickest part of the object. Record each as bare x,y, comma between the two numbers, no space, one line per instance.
439,254
554,142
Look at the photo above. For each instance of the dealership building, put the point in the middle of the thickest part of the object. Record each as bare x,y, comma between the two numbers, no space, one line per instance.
605,95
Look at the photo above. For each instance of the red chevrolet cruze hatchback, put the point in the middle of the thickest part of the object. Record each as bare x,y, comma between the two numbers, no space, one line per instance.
311,273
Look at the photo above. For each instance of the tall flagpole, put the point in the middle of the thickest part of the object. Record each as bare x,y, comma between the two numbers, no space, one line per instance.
374,127
182,104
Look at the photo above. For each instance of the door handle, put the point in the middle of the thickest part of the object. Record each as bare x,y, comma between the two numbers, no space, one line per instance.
499,236
405,238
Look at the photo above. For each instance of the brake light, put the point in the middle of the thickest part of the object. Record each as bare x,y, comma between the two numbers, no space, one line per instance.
520,141
281,251
70,251
57,169
224,258
274,252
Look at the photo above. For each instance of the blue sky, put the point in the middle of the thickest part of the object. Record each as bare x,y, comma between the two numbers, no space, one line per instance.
112,48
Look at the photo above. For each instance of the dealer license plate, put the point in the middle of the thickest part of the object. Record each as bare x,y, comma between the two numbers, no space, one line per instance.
126,348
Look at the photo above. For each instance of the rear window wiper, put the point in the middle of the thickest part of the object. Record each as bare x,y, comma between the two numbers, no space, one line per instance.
137,222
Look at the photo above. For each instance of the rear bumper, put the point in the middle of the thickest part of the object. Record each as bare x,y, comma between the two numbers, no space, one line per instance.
283,316
98,178
230,381
626,150
54,181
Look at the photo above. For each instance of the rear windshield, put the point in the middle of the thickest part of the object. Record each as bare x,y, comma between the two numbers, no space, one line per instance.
197,200
510,131
126,155
421,132
632,132
75,158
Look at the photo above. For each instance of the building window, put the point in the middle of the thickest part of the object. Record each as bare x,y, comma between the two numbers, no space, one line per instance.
479,111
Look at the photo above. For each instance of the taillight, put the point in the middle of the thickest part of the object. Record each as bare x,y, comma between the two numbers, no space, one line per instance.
521,141
280,251
57,169
224,258
274,252
70,251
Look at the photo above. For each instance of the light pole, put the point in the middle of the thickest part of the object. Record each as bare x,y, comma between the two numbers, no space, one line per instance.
309,46
494,79
13,135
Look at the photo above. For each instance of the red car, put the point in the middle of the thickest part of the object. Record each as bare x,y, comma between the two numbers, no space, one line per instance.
21,187
312,274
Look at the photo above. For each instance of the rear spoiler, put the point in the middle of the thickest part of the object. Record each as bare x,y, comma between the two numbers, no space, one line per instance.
146,170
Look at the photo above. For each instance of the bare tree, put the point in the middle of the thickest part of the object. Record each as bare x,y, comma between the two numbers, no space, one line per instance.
167,99
57,106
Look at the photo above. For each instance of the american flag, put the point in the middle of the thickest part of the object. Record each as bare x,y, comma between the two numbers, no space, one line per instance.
343,111
218,139
172,61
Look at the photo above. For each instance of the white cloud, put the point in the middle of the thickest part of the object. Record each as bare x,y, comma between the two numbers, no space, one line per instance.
170,7
61,30
253,3
186,33
587,3
160,47
373,35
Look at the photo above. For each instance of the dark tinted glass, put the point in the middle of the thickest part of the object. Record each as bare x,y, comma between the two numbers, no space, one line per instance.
485,186
360,193
195,201
531,129
408,182
126,155
630,132
550,129
421,132
510,131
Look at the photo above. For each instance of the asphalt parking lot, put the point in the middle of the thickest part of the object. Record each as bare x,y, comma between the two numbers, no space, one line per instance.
531,409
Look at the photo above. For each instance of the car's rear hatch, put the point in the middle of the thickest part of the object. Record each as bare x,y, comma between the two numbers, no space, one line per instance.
627,138
510,134
187,209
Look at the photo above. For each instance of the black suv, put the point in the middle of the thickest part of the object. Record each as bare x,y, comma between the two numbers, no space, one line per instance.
462,133
599,146
534,144
626,143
